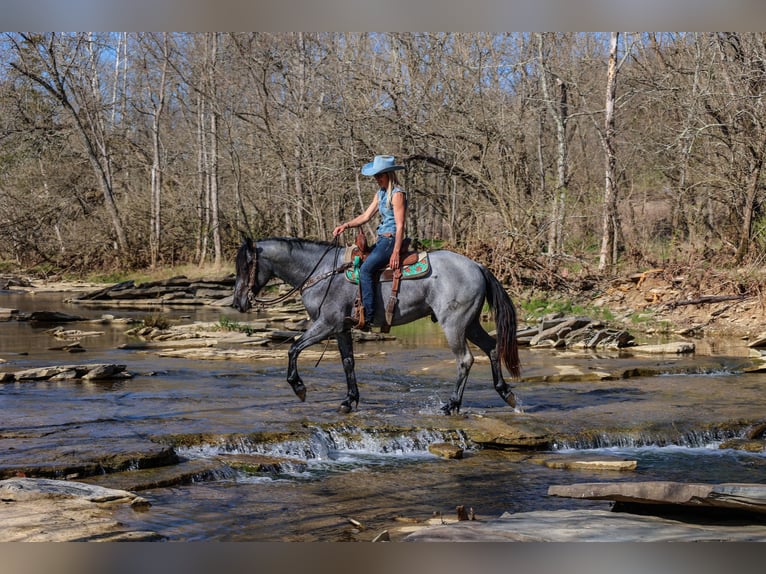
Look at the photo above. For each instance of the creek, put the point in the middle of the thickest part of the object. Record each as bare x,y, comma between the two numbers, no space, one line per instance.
359,474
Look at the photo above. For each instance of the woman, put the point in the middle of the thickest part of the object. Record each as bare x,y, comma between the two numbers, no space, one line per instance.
391,202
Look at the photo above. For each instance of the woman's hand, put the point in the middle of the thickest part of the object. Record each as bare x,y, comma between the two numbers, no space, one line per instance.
340,229
393,263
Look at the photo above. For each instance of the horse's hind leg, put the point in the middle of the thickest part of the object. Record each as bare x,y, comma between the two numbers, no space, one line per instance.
346,348
464,360
479,337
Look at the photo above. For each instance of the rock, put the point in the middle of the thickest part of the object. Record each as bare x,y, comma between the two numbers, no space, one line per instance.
759,341
748,497
520,432
106,372
8,314
558,330
65,372
54,317
680,348
78,457
566,373
257,463
70,348
61,333
172,344
583,526
589,462
176,290
757,431
747,445
445,450
158,477
760,367
44,510
24,489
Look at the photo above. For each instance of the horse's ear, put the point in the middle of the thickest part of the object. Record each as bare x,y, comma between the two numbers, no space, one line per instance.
247,241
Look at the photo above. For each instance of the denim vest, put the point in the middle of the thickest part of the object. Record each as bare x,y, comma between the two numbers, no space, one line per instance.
387,220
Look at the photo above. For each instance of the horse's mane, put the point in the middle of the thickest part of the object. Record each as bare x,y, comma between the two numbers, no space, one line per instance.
298,242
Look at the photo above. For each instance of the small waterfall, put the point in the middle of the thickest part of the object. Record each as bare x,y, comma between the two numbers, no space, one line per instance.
710,438
327,446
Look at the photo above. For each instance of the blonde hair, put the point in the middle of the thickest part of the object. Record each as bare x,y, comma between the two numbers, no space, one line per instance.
393,181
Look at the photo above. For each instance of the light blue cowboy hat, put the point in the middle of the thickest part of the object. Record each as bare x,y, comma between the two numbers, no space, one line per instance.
381,164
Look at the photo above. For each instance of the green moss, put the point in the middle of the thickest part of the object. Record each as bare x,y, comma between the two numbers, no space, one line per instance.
226,324
538,307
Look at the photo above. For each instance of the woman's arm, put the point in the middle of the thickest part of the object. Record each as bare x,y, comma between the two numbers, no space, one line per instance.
371,210
399,202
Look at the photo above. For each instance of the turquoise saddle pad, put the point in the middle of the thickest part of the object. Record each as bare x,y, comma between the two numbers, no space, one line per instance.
418,269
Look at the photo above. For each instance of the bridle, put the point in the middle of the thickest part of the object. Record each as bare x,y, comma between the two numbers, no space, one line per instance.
309,281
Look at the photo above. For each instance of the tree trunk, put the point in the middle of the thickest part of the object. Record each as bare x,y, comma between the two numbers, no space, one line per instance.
559,111
155,239
609,223
749,208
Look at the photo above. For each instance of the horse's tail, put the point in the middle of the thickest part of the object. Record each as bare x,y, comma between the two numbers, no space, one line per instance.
505,320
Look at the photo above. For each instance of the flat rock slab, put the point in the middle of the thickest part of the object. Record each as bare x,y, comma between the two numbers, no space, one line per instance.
46,510
68,372
54,317
586,526
680,348
66,454
583,461
445,450
745,497
509,431
158,477
570,373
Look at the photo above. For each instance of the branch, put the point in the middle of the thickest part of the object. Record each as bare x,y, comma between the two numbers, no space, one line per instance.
705,299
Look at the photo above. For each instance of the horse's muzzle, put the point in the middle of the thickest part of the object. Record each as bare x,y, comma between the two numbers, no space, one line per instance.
241,303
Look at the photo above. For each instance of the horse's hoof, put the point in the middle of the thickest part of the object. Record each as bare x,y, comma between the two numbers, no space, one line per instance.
348,406
510,398
301,394
450,409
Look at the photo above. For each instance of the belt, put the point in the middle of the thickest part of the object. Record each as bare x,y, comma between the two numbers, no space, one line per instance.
385,235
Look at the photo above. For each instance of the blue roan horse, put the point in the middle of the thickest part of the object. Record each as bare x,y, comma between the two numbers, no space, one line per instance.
452,294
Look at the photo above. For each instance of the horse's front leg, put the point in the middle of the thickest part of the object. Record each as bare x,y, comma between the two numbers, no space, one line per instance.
346,348
314,334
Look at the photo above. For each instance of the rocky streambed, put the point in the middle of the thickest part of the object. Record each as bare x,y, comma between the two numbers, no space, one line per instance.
586,385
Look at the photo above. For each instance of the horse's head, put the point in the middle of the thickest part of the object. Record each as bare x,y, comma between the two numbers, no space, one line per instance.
247,275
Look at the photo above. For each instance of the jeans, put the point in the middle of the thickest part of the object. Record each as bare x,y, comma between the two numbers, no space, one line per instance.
377,260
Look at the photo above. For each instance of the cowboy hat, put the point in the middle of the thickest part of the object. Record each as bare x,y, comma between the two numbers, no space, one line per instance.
381,164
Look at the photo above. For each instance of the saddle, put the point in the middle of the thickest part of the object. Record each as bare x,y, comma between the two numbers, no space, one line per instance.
362,249
414,264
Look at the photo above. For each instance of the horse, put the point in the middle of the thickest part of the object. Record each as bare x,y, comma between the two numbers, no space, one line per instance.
453,294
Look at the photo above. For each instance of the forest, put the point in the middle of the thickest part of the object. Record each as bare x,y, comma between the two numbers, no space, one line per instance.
555,151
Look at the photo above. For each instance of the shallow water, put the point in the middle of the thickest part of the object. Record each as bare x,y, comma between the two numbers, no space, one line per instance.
372,478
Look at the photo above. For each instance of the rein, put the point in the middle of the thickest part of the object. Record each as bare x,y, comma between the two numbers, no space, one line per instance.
305,284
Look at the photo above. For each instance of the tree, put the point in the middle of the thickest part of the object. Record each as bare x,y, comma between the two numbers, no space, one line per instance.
609,225
558,108
66,66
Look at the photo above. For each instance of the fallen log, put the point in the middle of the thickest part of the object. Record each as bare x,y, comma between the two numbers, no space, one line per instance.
705,299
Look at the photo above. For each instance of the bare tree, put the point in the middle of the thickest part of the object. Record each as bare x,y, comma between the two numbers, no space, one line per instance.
610,226
67,67
558,107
